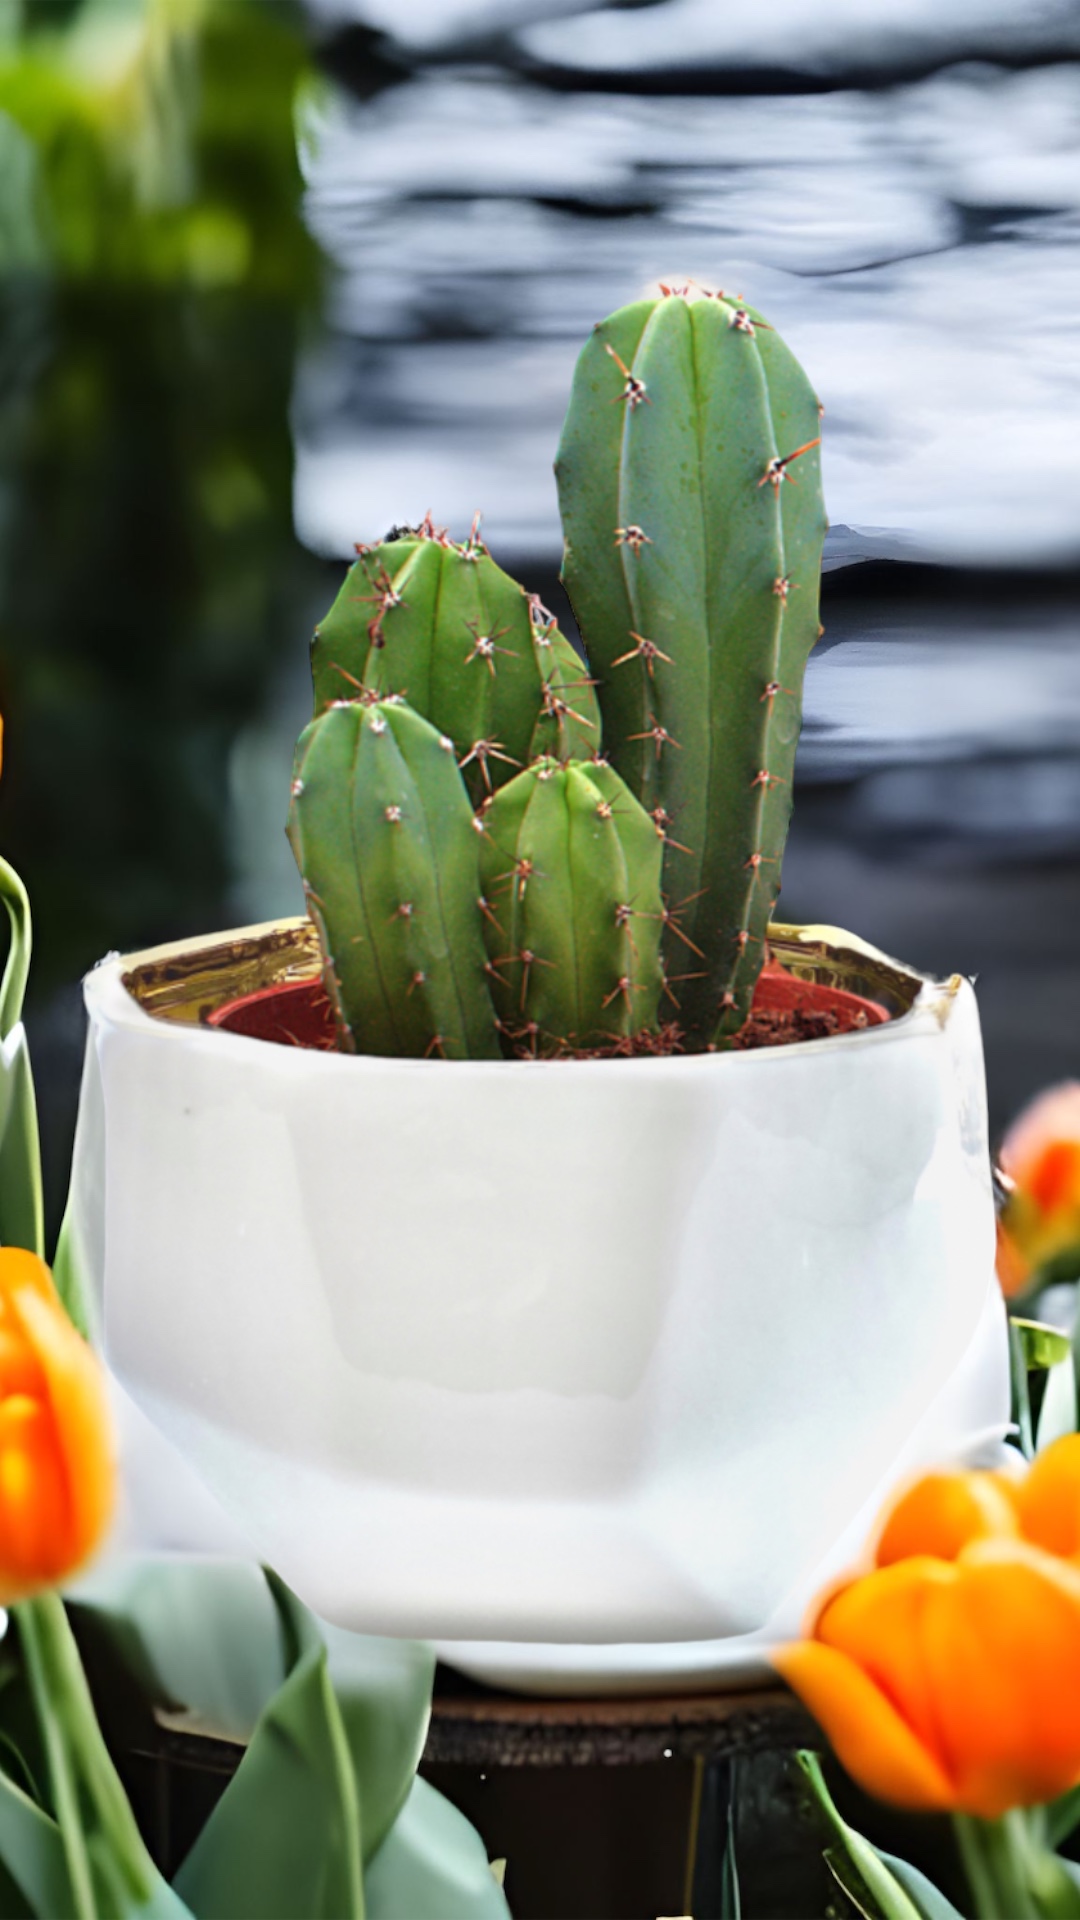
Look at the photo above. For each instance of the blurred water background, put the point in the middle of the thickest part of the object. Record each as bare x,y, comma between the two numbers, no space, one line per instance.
482,180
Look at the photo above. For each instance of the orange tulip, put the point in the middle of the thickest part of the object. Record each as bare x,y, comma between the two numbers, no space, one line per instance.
1040,1157
1047,1499
57,1471
952,1684
949,1676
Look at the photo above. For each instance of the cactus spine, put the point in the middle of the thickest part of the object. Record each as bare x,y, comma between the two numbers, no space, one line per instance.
690,493
446,628
383,833
570,866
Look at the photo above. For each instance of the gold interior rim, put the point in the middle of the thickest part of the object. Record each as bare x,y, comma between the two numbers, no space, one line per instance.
188,984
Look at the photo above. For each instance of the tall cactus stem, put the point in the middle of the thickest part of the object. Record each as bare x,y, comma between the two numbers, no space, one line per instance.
689,487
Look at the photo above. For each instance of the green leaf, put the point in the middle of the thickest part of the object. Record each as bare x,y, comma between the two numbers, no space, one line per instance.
33,1854
1057,1888
22,1220
79,1255
929,1900
860,1869
1041,1346
1062,1816
284,1839
730,1892
1020,1392
203,1638
1057,1415
851,1883
1059,1270
213,1641
383,1689
17,967
432,1866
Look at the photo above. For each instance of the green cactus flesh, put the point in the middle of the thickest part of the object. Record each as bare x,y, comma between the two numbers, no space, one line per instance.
570,872
384,837
690,493
445,627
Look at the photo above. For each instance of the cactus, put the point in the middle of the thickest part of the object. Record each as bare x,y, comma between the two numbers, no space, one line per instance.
570,869
690,494
482,660
384,837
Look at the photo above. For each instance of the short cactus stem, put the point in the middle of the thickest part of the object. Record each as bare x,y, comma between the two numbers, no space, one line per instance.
442,625
382,830
570,863
690,492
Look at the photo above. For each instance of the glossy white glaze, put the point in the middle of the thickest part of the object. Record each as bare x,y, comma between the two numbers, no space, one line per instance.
611,1351
964,1425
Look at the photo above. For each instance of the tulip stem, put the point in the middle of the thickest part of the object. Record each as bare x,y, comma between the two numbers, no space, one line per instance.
62,1771
78,1756
1012,1874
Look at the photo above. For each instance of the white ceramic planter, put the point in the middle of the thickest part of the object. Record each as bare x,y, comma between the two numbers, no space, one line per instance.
600,1352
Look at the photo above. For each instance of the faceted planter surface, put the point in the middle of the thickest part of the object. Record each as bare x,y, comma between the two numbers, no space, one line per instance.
607,1351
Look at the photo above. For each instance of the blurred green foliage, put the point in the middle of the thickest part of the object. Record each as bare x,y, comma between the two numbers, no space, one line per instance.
155,276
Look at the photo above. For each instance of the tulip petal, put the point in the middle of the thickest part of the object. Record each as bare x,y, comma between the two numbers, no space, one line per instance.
22,1270
34,1505
76,1463
876,1621
1002,1655
1048,1498
1041,1156
1055,1115
943,1512
876,1746
79,1407
1054,1177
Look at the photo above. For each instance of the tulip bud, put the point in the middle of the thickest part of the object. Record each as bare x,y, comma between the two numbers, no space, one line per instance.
57,1468
948,1676
1040,1158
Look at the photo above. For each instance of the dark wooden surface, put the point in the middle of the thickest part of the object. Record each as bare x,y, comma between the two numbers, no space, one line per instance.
476,1726
616,1809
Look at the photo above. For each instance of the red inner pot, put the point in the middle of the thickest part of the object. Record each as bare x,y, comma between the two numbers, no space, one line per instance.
298,1013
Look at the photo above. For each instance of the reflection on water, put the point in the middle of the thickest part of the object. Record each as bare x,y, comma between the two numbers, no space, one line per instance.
947,688
916,244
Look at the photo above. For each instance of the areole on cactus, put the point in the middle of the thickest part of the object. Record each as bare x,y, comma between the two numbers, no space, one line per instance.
564,913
